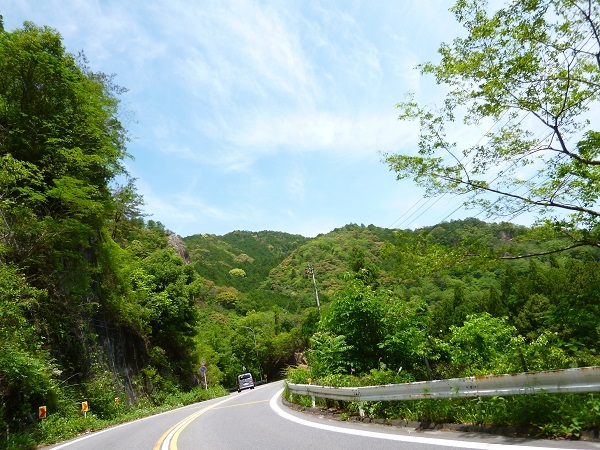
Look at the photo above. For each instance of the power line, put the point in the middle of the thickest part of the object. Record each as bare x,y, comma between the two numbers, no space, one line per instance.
407,211
510,163
460,161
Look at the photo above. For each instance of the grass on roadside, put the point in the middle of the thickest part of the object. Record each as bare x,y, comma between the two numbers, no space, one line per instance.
56,427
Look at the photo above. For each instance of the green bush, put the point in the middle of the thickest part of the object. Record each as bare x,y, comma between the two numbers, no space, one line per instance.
380,377
298,375
102,393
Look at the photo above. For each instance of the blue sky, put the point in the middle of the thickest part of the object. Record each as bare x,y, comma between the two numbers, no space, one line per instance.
263,115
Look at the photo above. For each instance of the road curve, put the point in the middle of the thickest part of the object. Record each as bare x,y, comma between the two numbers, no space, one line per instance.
257,419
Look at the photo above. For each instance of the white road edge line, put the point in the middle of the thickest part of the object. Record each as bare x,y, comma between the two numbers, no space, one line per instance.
395,437
96,433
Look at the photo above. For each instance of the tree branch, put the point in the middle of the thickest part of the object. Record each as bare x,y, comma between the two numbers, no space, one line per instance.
543,203
550,252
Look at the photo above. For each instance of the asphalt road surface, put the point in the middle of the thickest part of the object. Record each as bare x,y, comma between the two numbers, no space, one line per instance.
256,419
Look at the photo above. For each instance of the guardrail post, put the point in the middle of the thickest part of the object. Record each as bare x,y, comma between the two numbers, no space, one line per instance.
312,397
361,409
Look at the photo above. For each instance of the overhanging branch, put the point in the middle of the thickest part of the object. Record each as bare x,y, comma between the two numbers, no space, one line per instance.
550,252
543,203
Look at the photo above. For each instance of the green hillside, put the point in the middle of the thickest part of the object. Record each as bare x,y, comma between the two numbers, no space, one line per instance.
256,253
342,250
444,273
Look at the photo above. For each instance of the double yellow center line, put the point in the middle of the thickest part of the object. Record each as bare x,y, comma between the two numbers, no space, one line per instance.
168,441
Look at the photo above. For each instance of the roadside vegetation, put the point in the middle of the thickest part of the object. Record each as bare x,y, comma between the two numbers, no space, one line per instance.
464,304
71,422
99,302
564,416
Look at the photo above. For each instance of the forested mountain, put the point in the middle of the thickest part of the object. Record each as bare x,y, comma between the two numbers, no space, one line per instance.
349,248
255,253
443,274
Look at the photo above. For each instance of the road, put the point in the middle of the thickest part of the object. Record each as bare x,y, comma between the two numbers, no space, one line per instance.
256,419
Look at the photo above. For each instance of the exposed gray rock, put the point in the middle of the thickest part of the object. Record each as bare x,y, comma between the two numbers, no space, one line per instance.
179,246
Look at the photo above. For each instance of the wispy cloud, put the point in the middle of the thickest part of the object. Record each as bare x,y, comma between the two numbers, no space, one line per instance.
251,113
234,50
362,134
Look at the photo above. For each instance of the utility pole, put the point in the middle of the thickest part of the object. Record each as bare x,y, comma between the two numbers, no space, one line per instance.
311,271
255,349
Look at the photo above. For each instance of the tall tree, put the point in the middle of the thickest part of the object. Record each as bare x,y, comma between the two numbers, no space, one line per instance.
531,70
61,145
357,314
60,121
127,210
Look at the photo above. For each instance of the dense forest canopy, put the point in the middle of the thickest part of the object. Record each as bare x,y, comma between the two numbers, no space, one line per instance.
91,288
98,302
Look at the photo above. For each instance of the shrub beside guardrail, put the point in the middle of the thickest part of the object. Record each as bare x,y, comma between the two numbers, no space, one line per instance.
579,380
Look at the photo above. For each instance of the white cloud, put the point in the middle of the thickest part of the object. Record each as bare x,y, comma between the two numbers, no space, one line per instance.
361,134
238,146
236,49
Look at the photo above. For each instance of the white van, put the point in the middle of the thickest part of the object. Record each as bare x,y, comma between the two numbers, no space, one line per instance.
245,381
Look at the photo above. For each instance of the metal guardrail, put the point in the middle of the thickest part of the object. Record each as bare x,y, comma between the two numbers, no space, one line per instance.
580,380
